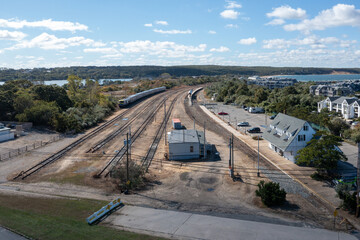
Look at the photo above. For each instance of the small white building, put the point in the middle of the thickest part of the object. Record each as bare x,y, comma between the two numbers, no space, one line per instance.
5,133
186,144
287,135
349,107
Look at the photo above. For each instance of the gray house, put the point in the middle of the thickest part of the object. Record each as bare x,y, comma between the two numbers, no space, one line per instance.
287,135
186,144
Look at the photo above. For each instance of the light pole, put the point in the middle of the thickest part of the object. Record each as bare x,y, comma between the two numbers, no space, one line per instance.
258,170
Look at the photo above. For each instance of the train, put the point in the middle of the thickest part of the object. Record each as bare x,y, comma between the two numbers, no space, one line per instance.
130,99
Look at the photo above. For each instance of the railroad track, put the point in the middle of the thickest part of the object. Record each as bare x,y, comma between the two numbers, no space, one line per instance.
26,173
146,162
117,158
111,136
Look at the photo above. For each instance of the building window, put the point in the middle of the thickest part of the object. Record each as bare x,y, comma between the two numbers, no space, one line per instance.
306,128
191,148
301,138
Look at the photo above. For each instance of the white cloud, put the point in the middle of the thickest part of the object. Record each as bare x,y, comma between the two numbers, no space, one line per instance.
276,44
172,31
165,48
100,50
338,15
47,41
312,41
230,25
232,4
7,35
165,23
287,12
113,56
220,49
247,41
212,32
301,58
230,14
277,21
47,23
148,25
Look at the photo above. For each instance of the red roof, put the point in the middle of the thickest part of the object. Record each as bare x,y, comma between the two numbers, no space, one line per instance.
176,120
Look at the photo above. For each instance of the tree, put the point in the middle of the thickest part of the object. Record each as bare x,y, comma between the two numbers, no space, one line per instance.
323,154
260,95
270,193
74,84
23,101
41,113
337,126
50,93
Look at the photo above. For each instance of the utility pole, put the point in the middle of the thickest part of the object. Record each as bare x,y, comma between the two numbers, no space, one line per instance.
204,143
130,142
258,170
236,123
265,119
232,157
165,123
358,182
127,157
194,123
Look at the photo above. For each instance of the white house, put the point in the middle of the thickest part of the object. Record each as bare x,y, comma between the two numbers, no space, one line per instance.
347,106
186,144
287,135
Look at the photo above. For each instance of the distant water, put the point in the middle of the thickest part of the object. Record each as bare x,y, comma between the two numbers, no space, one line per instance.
307,78
63,82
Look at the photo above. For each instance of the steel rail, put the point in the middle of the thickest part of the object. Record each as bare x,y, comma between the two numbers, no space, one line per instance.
146,162
116,159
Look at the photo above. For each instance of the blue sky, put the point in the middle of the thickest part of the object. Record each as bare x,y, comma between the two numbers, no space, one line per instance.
303,33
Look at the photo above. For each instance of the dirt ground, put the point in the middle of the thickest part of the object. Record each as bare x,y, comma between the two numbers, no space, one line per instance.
193,186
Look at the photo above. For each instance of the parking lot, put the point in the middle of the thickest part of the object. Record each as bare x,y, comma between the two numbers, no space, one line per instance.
237,115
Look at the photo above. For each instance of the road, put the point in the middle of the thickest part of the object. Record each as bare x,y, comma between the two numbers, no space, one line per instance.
184,225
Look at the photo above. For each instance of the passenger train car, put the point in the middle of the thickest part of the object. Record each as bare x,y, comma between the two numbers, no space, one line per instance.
130,99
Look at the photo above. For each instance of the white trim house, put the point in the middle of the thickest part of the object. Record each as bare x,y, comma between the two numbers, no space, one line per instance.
287,135
348,106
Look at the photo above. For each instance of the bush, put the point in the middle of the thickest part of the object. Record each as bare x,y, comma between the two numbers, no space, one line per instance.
271,194
349,199
136,176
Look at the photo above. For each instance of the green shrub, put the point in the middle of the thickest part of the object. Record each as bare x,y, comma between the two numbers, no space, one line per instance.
349,199
271,194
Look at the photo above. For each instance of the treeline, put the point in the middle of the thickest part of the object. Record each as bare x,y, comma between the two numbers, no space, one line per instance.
115,72
80,107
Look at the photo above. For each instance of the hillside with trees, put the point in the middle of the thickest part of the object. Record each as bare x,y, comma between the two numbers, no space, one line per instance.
117,72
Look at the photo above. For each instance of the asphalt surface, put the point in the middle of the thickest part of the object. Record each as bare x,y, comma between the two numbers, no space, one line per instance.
8,235
183,225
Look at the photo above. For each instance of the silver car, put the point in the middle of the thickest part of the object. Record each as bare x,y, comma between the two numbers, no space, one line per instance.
243,124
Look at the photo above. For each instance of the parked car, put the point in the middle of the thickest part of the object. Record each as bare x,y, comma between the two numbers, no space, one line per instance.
256,110
254,130
243,124
273,116
223,113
